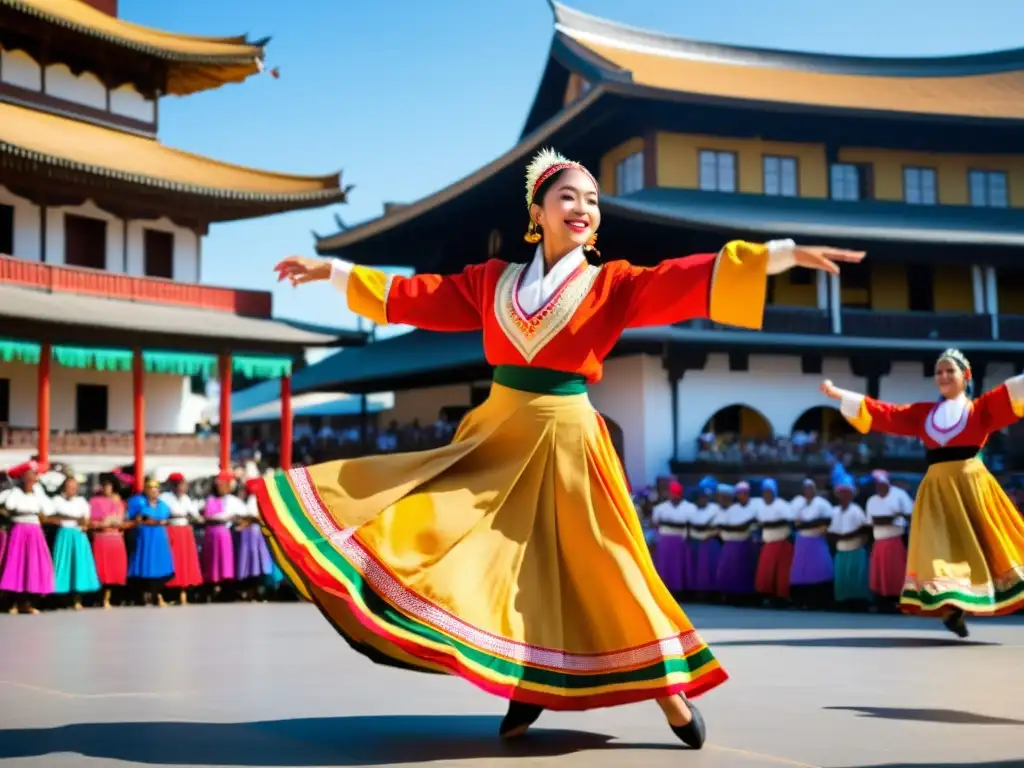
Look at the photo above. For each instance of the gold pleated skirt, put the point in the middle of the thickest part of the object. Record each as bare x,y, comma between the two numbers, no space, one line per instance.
966,544
512,557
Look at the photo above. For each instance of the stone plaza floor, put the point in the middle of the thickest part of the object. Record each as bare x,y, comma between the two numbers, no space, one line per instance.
272,685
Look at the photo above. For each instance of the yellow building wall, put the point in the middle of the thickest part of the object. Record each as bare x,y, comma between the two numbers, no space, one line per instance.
785,294
951,171
889,290
611,159
952,286
1011,298
679,162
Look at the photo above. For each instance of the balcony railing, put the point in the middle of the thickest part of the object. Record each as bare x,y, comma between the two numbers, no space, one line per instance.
110,285
110,443
959,326
802,320
1011,327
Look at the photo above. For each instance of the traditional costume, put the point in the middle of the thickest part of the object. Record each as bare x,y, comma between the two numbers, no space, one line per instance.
27,569
704,531
966,550
889,509
184,553
850,528
775,517
672,518
564,608
218,556
73,564
151,563
108,548
737,565
812,573
252,556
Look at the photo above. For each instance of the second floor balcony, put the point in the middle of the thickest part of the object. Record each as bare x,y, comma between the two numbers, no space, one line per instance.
23,273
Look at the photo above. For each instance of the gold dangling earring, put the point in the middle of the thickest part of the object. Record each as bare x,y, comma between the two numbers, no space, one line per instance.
532,236
592,245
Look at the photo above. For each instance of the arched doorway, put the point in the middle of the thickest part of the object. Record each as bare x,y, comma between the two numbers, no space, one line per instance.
825,421
618,438
739,421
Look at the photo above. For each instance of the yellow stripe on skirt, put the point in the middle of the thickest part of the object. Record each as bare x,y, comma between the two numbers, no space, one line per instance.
966,544
512,557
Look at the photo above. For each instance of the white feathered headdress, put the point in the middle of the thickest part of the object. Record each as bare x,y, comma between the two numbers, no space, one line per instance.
543,165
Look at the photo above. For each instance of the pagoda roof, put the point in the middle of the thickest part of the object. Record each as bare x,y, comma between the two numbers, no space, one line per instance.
983,85
75,318
100,153
193,63
746,214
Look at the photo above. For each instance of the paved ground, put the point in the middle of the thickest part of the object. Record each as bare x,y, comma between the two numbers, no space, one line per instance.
271,685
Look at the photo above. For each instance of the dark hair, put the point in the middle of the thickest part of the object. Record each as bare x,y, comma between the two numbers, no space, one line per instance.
592,254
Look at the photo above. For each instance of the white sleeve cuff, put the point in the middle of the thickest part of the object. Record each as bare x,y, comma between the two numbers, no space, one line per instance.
781,256
1015,387
849,404
340,270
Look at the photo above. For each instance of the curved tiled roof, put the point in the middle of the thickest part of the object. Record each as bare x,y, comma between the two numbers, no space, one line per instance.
974,85
195,63
51,140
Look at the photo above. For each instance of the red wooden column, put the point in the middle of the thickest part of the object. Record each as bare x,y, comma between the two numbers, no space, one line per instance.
286,421
43,406
139,418
225,411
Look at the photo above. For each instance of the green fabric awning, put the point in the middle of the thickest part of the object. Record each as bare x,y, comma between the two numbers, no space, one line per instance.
261,367
154,361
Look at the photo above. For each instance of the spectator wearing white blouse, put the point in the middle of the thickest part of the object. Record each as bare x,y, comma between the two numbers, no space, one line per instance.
73,565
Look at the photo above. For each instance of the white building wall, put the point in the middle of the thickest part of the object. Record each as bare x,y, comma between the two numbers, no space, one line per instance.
85,89
165,398
20,69
55,233
773,386
27,226
186,249
128,102
424,405
28,240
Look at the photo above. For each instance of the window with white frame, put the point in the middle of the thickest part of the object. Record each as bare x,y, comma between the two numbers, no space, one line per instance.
920,186
845,181
780,176
988,189
717,171
629,174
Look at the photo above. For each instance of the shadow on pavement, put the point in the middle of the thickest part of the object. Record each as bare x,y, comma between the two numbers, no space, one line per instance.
342,741
946,716
855,642
993,764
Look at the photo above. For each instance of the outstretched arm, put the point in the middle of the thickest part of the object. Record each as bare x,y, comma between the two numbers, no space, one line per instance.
1002,406
727,287
866,414
430,302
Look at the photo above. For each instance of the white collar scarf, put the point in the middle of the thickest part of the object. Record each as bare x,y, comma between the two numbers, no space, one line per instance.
536,288
948,419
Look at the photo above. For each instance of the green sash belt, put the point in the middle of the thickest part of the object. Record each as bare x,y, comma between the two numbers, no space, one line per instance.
543,381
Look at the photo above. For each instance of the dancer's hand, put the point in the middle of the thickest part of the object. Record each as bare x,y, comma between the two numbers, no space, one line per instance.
300,270
829,390
825,258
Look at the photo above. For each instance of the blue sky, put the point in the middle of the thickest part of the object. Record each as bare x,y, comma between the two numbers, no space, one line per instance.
407,96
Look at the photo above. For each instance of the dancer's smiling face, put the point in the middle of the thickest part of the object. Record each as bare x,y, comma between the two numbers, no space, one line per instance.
566,210
949,378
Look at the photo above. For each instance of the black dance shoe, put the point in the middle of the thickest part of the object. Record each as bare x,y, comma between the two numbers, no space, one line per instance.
694,732
956,622
518,719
